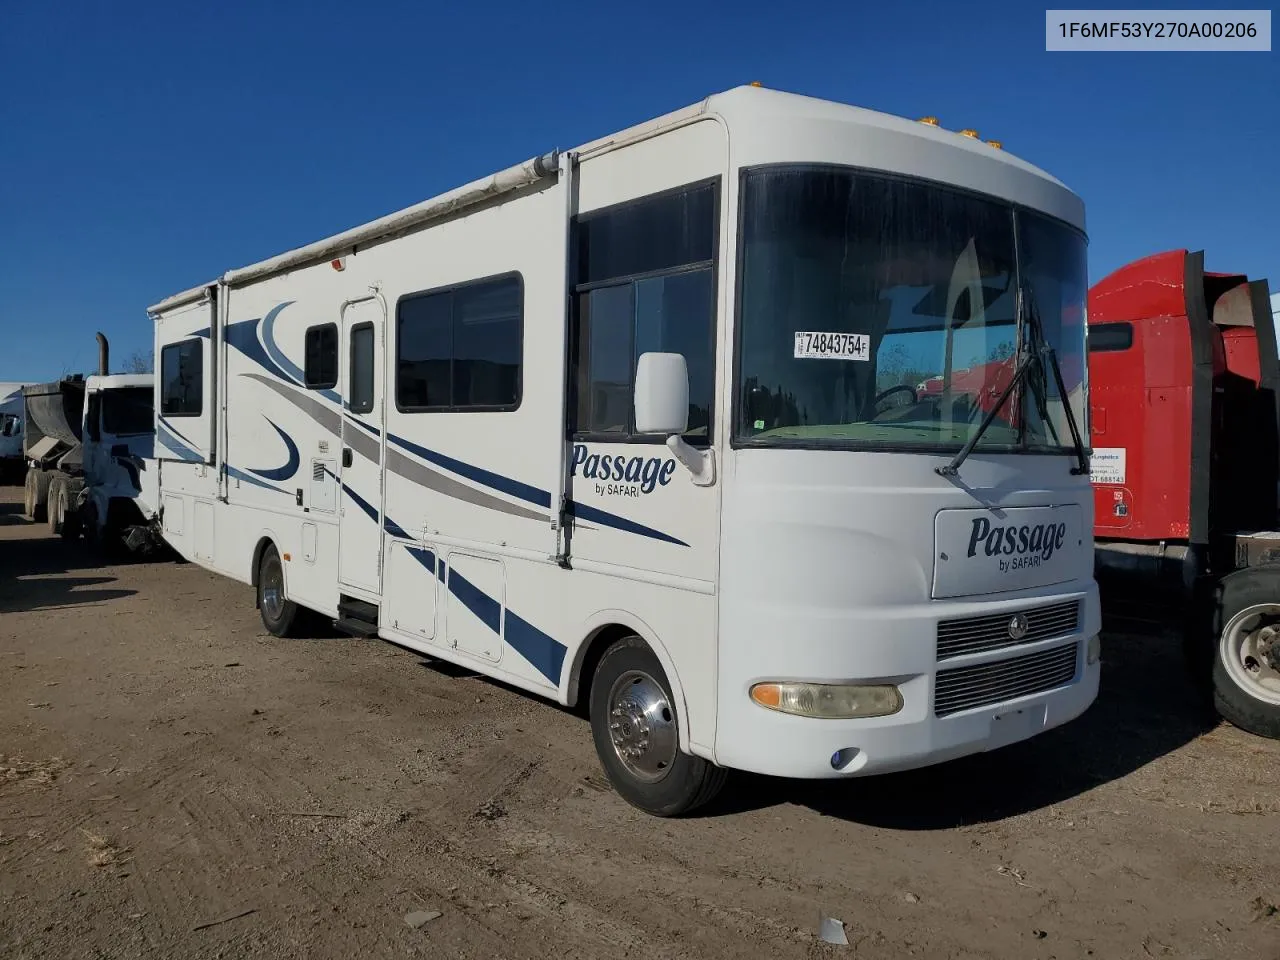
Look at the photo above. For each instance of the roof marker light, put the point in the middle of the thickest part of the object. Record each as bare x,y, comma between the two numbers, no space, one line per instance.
971,134
756,83
931,121
995,143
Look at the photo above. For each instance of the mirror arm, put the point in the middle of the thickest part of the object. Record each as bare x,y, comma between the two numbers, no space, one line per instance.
701,464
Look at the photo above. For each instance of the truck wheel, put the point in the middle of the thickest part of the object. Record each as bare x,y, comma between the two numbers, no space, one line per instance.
636,731
278,612
56,506
36,493
1246,670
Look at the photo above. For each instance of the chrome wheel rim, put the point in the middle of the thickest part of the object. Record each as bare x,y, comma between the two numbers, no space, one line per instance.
273,588
1250,651
642,726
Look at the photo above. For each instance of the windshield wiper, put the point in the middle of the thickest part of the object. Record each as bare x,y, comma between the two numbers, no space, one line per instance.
1048,362
1047,352
951,468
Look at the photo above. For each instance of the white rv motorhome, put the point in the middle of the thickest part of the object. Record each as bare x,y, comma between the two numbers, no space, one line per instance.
635,427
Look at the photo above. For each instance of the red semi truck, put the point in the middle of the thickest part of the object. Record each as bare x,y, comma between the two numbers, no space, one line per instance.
1184,408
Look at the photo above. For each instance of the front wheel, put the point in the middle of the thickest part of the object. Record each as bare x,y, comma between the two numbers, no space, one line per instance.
1246,669
278,612
636,731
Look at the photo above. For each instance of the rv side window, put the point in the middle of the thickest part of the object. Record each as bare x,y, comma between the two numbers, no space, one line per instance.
461,348
647,272
182,379
1105,337
320,357
360,392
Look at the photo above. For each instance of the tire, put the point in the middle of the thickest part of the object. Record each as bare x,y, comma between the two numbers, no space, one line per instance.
1246,662
279,614
660,780
89,525
35,493
71,511
56,507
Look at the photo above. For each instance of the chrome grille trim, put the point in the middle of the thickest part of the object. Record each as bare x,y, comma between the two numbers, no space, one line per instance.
984,684
956,638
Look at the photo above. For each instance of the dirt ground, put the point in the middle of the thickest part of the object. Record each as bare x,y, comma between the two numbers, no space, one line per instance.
176,783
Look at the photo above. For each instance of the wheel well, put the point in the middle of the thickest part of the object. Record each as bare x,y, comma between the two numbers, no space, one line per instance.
263,543
585,669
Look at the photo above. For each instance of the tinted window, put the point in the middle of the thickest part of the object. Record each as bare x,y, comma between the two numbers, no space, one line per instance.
644,236
461,348
182,379
361,390
671,309
1104,337
128,411
321,357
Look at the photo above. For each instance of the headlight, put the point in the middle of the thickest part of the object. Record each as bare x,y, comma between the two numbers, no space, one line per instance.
1094,651
829,701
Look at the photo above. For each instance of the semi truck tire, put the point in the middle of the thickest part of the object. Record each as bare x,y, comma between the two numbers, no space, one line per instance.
1246,665
57,504
70,516
36,493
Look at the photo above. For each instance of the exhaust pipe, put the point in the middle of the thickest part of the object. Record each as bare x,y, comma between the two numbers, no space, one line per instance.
103,355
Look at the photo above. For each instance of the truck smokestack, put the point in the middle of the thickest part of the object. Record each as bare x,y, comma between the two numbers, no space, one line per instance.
103,356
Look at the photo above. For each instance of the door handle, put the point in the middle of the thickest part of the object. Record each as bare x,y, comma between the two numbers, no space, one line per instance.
346,456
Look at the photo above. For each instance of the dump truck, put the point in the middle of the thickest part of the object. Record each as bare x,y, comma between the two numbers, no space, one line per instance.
88,445
1184,408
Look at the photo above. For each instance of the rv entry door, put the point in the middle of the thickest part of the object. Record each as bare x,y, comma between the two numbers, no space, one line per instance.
360,517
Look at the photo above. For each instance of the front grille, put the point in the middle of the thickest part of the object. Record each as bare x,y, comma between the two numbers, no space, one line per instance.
991,631
962,688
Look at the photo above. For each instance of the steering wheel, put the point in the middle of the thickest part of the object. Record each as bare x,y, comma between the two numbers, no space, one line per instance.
902,387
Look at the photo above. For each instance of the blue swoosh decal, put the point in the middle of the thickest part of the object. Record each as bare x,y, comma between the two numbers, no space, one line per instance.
542,651
169,438
272,348
495,481
362,503
249,478
290,468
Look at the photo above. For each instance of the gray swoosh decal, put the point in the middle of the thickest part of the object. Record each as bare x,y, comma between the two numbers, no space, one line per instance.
415,472
367,446
331,420
362,443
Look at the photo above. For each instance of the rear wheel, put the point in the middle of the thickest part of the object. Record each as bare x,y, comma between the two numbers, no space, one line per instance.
70,511
1246,669
56,508
635,727
279,614
36,493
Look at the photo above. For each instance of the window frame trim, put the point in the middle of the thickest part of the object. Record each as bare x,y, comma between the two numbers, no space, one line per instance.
716,183
351,362
173,346
737,442
337,355
451,288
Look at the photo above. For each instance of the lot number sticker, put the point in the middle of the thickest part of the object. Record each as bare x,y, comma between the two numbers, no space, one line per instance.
832,346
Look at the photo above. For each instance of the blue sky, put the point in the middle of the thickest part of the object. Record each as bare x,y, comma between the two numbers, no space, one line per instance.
146,147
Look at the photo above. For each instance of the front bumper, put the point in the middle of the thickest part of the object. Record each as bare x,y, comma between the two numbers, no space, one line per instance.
750,737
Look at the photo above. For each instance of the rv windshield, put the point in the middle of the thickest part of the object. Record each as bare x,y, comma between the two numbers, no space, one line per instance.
882,312
128,410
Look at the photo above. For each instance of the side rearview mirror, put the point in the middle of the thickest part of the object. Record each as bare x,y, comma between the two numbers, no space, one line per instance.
662,407
662,394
